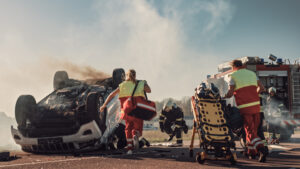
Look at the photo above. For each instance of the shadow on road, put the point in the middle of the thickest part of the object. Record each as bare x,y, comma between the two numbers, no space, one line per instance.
275,159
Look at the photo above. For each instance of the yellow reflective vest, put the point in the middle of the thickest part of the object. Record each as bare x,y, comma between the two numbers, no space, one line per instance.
245,92
127,87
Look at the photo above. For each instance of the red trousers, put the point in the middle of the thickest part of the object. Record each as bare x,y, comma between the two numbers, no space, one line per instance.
133,126
251,124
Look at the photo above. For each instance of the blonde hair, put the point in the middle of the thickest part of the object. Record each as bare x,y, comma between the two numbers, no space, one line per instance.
131,75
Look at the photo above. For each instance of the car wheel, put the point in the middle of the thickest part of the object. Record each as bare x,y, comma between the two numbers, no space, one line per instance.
59,80
118,77
93,103
25,109
285,136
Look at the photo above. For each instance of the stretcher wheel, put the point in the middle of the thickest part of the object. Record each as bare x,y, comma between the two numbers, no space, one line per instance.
191,153
200,157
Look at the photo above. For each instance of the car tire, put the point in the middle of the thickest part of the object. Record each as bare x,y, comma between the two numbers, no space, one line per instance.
118,77
59,80
93,102
25,109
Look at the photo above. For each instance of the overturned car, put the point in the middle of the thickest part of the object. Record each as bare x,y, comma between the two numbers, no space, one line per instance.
68,119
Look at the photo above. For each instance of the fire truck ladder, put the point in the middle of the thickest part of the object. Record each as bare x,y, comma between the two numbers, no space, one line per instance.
296,91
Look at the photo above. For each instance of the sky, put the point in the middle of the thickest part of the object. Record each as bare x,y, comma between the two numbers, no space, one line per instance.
173,44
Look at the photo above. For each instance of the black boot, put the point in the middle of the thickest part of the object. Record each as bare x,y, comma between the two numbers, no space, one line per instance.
171,136
143,142
263,153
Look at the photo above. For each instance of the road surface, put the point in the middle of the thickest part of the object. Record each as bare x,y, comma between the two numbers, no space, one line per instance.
284,155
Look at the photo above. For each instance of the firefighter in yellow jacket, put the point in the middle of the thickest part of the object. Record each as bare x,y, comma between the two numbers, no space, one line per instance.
172,117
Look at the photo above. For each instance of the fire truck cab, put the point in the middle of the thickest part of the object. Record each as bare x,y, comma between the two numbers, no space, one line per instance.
282,75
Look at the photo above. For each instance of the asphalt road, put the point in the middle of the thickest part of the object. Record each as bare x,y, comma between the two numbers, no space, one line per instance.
284,155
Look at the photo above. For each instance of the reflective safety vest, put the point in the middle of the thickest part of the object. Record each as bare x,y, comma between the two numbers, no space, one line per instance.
245,92
127,87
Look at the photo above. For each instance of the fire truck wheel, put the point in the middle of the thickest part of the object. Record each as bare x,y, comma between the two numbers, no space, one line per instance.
118,77
200,157
25,109
59,80
285,136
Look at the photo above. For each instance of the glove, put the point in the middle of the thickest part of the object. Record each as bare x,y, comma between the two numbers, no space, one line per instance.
185,129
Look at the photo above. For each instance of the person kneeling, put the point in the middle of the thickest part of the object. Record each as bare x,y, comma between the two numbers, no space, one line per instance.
171,121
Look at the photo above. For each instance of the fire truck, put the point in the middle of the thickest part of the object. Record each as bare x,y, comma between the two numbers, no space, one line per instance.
278,73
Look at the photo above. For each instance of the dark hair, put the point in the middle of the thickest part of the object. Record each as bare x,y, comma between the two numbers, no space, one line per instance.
236,63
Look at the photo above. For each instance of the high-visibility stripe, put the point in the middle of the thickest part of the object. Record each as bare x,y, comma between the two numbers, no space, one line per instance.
129,139
129,145
254,140
177,126
179,139
179,119
162,115
161,120
146,106
293,122
258,143
248,105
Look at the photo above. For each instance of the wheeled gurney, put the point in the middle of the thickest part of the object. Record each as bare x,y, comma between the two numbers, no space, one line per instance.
215,136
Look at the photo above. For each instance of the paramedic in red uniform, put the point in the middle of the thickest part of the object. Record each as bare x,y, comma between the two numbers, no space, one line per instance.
245,87
133,126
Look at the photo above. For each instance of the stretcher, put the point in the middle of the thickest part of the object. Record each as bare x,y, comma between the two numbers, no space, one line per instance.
215,136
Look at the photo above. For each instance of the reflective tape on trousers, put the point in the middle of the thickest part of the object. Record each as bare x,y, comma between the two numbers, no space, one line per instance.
249,105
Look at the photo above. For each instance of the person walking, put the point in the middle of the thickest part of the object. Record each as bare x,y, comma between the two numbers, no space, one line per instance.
245,87
133,125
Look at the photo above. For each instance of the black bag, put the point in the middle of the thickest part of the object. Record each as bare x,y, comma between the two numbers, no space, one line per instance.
235,118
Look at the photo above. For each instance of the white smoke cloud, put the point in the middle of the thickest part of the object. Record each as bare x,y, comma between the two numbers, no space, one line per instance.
151,37
6,142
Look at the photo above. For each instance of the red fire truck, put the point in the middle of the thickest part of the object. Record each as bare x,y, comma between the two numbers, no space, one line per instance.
278,73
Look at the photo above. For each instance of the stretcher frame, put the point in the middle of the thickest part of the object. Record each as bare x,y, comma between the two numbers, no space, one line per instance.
208,148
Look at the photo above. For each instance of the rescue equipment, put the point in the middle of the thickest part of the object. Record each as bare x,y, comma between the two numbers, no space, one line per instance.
211,124
139,107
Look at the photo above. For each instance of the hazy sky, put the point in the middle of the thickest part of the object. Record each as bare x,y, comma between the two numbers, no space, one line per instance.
173,44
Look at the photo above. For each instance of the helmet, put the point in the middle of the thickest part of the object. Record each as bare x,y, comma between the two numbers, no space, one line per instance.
169,105
272,89
201,88
214,90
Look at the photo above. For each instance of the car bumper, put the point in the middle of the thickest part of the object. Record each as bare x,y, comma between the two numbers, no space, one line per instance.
85,139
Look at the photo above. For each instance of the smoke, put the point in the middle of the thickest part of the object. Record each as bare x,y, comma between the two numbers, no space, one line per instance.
276,112
37,79
6,142
168,43
77,71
